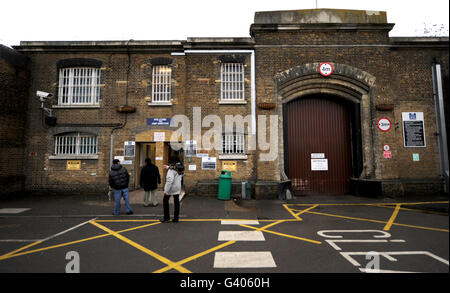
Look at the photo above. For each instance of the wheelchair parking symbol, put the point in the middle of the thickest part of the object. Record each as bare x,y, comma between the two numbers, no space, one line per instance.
375,236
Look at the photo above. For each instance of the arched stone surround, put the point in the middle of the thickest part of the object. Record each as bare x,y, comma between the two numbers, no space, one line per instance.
347,83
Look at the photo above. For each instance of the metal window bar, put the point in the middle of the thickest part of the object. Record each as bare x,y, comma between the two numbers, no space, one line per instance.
76,144
161,83
79,86
232,81
233,144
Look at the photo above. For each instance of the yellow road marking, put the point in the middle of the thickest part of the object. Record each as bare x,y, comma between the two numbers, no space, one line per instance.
377,221
281,234
414,210
125,221
392,219
292,213
142,248
305,210
10,255
368,204
20,249
191,258
270,225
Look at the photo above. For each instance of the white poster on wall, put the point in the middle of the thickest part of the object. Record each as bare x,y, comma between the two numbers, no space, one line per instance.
209,163
413,129
319,164
129,147
159,136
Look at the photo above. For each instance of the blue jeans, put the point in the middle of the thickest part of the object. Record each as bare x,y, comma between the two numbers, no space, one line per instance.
118,196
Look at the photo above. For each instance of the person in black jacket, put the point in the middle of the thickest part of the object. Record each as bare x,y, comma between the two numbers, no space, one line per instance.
118,180
150,179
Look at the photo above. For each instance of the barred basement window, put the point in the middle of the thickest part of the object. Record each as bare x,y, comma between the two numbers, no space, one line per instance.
79,86
161,83
232,81
76,143
233,144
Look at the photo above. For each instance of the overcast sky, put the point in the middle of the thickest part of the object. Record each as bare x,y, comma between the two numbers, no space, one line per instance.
62,20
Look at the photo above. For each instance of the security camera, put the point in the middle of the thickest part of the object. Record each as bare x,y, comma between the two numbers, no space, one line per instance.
43,95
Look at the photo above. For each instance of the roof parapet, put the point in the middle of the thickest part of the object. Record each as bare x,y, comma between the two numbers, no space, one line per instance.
309,16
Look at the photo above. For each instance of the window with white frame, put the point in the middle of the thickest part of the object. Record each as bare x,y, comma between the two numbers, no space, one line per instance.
161,83
76,143
232,82
233,144
79,86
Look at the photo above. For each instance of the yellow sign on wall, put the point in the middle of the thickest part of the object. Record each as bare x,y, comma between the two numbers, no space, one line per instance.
73,165
229,165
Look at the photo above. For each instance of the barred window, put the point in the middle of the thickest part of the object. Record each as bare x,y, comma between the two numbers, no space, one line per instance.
76,143
232,81
79,86
233,144
161,83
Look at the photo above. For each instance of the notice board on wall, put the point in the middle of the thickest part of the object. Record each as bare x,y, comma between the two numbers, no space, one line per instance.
413,129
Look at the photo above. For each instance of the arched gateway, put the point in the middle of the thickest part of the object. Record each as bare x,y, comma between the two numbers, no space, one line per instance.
327,127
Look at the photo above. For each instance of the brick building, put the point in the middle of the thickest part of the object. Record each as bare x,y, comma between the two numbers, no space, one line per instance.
350,109
14,80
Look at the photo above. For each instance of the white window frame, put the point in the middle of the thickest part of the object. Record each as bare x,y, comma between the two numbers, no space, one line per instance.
232,83
75,144
233,144
79,86
161,84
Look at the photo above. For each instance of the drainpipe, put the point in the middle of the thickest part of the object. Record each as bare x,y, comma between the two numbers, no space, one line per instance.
440,122
122,125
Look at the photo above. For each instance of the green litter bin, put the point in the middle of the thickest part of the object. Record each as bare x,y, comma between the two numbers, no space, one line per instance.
224,185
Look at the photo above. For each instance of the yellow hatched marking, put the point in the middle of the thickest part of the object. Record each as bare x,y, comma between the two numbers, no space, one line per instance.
377,221
191,258
143,249
20,249
10,255
306,210
263,229
368,204
291,212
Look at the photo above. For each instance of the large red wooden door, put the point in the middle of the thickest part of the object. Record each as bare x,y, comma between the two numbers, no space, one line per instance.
318,145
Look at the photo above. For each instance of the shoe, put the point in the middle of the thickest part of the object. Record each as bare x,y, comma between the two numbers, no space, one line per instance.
130,213
164,220
154,205
175,220
115,214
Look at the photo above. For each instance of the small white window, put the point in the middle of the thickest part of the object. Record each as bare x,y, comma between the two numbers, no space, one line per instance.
232,81
79,86
233,144
161,83
76,143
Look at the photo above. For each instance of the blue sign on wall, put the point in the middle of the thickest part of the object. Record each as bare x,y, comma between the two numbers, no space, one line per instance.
159,121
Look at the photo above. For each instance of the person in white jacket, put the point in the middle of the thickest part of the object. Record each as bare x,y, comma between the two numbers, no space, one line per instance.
173,187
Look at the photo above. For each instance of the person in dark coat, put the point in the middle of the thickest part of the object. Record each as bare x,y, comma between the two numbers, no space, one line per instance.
150,179
118,180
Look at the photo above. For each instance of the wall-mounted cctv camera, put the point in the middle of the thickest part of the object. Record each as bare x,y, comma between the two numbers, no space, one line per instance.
43,95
